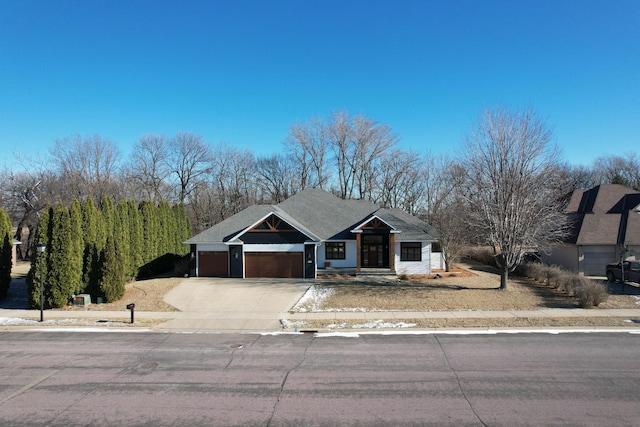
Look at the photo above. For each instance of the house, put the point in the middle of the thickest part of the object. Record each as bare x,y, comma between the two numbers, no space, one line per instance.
605,228
311,232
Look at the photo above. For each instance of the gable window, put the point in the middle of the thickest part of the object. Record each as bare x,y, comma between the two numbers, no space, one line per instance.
334,250
410,251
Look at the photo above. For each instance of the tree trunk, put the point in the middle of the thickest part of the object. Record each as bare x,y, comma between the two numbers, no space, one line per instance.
504,275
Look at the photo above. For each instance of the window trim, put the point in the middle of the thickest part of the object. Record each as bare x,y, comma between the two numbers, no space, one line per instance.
332,250
409,251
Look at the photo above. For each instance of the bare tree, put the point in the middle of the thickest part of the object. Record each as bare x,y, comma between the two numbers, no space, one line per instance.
188,160
308,144
618,170
87,166
275,176
148,170
400,181
358,145
509,159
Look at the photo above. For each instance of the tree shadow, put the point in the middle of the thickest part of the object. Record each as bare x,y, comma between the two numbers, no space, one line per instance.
17,297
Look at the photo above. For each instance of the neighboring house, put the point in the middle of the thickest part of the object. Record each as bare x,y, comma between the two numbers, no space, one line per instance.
309,233
605,228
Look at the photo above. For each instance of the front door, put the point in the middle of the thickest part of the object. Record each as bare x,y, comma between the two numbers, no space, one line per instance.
375,249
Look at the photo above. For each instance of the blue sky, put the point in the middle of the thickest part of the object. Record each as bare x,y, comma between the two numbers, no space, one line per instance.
241,72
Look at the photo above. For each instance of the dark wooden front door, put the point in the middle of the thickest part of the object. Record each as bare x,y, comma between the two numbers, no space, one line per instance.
375,251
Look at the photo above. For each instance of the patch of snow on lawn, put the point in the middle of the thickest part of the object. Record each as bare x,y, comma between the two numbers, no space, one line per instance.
288,324
374,324
313,299
6,321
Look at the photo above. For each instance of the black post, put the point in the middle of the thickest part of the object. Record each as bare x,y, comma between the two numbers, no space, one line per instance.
131,307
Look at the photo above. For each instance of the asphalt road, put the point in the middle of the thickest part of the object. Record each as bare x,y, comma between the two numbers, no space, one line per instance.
157,379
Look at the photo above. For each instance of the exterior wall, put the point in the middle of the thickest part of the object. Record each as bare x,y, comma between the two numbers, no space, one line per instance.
350,254
286,247
414,267
437,262
566,256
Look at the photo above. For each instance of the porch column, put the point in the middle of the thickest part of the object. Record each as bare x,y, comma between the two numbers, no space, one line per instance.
358,251
392,251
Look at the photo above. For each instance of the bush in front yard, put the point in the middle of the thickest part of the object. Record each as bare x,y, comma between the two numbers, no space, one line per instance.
591,293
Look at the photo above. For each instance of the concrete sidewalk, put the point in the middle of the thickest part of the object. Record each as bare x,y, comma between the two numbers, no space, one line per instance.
177,321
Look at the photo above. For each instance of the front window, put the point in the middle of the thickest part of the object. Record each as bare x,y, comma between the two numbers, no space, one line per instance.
334,250
410,251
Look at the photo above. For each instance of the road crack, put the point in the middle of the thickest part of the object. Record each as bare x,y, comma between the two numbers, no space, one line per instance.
285,378
458,382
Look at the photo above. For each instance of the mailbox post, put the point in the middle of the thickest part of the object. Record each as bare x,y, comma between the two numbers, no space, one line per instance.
131,307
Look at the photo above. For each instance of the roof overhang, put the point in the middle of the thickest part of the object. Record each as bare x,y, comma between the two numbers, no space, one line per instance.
236,238
358,228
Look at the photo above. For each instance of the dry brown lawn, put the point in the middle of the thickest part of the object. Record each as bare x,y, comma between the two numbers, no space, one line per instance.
472,287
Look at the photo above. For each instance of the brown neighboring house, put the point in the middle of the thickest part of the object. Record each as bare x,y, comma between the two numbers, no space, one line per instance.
606,228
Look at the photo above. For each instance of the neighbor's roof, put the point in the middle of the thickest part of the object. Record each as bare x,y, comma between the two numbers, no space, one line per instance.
605,215
320,215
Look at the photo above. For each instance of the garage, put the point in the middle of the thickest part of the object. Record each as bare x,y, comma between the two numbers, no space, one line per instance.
213,264
596,259
274,264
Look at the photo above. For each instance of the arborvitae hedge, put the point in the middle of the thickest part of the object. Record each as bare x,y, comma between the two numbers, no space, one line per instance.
6,260
144,239
39,262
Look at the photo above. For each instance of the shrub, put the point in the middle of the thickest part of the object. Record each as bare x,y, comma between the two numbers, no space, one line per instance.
535,271
569,282
552,275
591,293
482,255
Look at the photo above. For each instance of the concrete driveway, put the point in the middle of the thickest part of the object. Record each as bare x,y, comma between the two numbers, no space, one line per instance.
233,305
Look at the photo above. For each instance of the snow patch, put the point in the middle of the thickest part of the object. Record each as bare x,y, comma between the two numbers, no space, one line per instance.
374,324
313,299
288,324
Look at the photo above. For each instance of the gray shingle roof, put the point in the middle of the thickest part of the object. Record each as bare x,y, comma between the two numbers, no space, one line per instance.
319,215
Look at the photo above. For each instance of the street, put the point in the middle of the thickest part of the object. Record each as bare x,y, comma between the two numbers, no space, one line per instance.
158,379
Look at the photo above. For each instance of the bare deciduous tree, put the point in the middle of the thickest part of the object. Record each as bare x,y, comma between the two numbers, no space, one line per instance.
188,160
446,207
308,144
401,182
624,170
87,166
509,160
276,177
148,170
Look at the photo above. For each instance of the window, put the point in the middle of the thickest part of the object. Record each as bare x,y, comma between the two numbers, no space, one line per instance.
410,251
334,250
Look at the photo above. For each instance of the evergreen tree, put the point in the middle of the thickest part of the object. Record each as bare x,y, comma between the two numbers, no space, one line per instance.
109,217
60,288
183,229
40,262
122,236
135,236
112,280
6,259
150,232
94,238
76,252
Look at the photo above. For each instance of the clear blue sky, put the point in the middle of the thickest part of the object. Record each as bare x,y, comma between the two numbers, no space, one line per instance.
241,72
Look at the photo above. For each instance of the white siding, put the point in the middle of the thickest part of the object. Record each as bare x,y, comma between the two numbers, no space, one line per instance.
289,247
350,253
437,262
414,267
